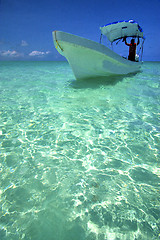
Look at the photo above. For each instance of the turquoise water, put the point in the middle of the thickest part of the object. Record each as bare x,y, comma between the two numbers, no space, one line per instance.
78,160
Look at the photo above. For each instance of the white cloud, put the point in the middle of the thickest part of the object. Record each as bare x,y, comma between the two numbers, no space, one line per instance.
24,43
38,53
9,53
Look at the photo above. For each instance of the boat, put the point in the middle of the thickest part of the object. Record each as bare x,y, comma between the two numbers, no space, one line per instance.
90,59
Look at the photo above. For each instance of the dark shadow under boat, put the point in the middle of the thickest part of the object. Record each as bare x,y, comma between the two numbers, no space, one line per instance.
99,81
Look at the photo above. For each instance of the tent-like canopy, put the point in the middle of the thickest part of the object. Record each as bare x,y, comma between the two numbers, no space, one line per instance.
121,29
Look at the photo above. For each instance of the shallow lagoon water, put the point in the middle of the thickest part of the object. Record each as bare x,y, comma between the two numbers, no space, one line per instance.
79,160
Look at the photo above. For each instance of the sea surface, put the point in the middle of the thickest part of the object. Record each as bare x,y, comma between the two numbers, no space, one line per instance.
79,160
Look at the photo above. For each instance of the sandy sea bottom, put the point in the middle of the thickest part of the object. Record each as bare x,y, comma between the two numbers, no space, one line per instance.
78,160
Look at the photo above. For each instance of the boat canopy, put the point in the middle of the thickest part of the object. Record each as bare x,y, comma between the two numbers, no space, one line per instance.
117,30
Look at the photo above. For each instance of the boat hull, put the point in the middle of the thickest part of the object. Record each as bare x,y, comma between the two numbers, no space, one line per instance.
89,59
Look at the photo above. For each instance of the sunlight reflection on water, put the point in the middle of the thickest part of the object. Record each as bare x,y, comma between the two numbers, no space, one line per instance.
78,162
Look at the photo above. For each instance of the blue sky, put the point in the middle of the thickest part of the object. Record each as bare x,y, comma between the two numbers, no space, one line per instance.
26,25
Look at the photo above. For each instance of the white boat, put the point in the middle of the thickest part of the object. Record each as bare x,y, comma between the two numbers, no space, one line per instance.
89,59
